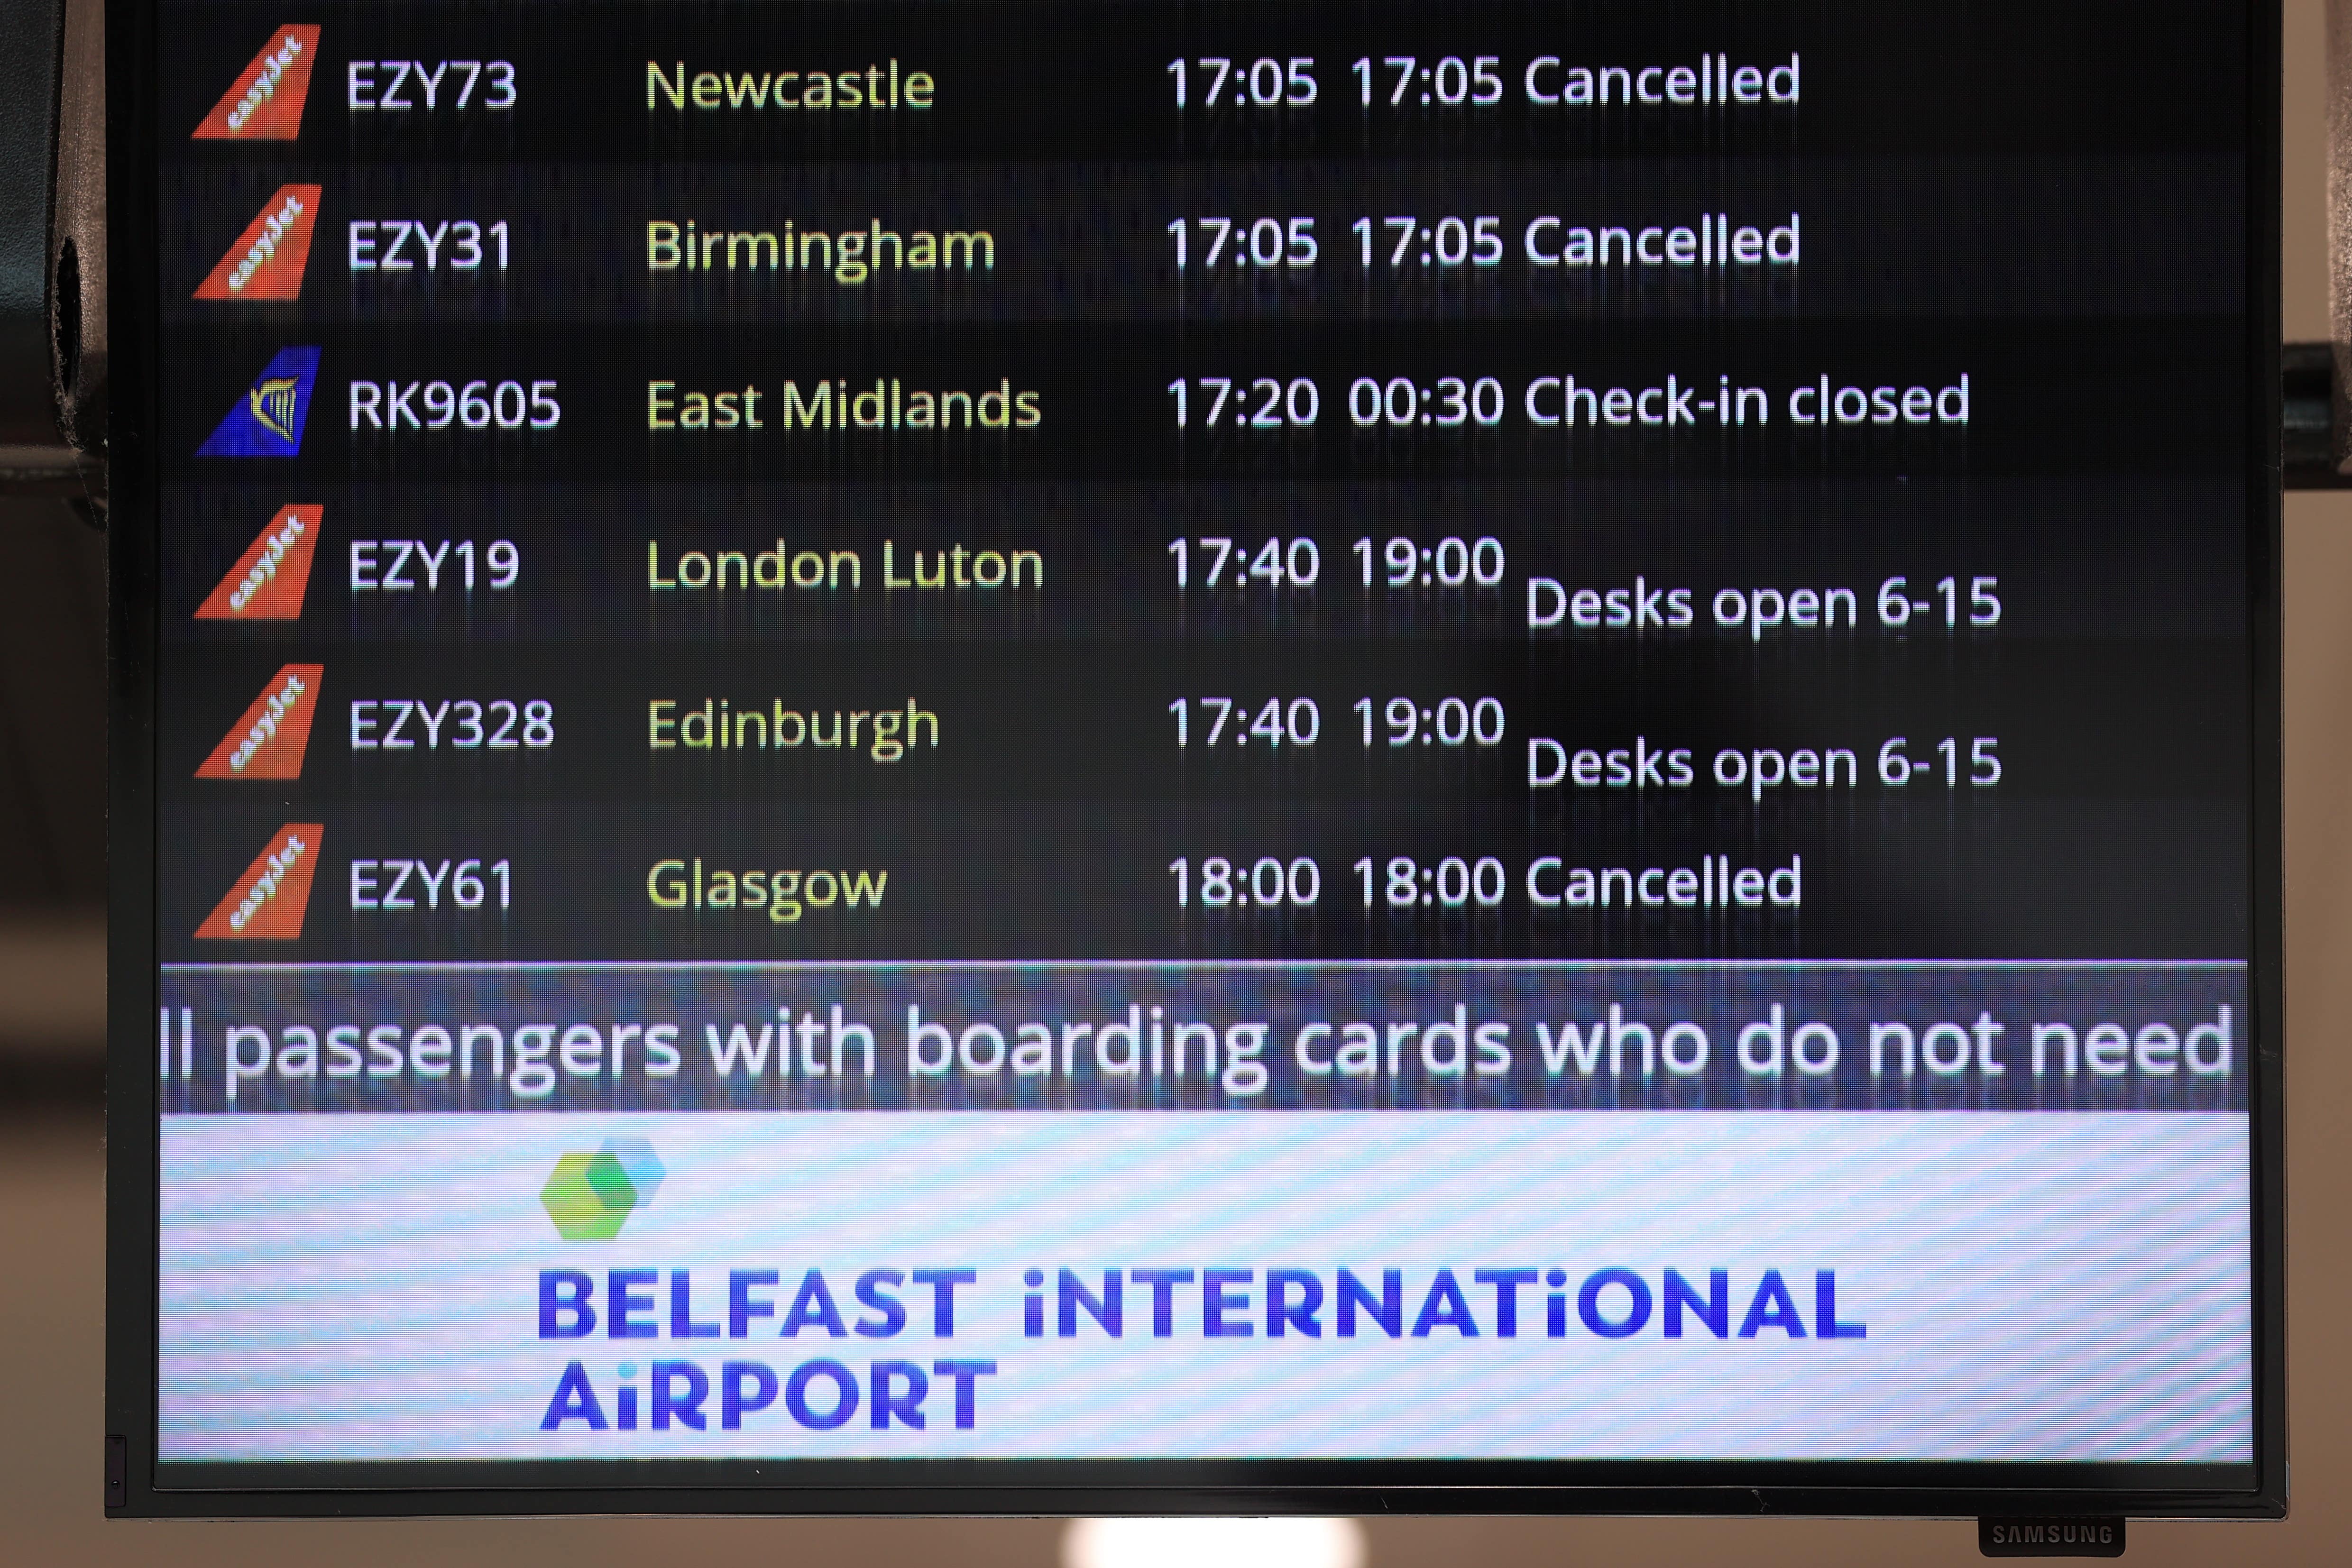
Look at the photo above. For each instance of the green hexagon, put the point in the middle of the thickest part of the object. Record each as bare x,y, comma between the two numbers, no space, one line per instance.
588,1197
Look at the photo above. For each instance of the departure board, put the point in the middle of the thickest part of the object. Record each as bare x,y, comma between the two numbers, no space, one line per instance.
1469,742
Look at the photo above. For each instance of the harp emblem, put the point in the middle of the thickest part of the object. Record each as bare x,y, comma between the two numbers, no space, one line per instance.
273,403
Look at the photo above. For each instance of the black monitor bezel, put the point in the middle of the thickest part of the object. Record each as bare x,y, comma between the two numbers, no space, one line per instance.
1154,1487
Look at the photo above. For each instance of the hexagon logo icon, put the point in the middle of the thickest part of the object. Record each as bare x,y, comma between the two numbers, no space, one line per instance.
591,1194
644,1167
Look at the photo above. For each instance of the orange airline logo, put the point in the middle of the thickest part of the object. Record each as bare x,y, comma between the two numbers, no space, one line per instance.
268,742
267,259
265,103
266,903
268,581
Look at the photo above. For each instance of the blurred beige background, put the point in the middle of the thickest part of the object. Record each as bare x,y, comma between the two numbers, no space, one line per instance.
51,1170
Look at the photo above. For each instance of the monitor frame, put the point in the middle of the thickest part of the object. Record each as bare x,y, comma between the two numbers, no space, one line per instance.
1057,1487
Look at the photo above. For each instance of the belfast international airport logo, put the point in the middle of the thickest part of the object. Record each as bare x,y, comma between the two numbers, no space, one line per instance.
268,580
266,903
268,260
268,741
591,1195
267,421
265,103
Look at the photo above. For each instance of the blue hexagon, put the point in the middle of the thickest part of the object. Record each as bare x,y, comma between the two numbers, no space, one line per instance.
644,1167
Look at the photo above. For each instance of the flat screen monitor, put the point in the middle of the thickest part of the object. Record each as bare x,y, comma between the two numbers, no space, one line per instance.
1060,756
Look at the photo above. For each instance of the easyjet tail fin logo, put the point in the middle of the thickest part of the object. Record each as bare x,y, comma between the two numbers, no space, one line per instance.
268,260
265,103
269,740
266,903
268,582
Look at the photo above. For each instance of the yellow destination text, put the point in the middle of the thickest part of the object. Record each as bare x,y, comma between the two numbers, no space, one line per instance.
718,724
667,408
770,568
890,405
787,895
957,567
848,256
883,88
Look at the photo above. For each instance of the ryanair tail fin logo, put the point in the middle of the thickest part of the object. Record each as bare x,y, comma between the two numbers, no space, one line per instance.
268,582
272,737
268,258
274,403
265,103
268,902
268,422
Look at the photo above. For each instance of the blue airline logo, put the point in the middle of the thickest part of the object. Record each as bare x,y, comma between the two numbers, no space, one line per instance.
267,422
